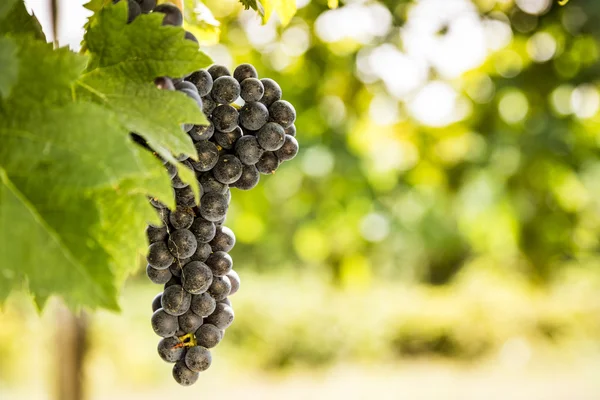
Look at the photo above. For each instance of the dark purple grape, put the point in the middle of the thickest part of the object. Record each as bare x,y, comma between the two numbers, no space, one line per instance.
170,349
288,150
183,375
228,169
182,243
244,71
156,302
291,130
203,304
202,252
253,115
234,279
158,276
182,217
225,90
272,92
225,118
189,322
222,317
213,206
203,230
208,155
248,150
283,113
251,89
268,163
211,185
224,240
175,300
198,358
217,71
208,335
219,288
228,139
159,255
196,277
202,132
249,179
271,136
163,324
155,234
172,16
220,263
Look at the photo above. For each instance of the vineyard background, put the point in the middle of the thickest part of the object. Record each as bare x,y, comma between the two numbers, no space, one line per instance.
436,238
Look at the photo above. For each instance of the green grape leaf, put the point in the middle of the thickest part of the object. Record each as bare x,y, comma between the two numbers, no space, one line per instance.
118,76
14,19
73,185
9,67
285,9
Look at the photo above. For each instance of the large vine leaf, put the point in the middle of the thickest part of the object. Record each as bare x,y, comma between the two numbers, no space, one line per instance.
73,186
119,75
14,19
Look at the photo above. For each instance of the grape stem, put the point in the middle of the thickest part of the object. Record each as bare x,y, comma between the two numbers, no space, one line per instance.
187,340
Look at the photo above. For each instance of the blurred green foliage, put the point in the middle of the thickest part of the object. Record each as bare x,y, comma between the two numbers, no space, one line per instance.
391,184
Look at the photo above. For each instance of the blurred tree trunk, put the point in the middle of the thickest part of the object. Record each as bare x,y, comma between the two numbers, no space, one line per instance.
70,351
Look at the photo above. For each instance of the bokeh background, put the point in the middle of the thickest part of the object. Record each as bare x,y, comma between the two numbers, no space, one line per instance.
437,236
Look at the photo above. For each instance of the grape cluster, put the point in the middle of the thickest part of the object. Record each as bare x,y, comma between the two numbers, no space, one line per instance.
251,131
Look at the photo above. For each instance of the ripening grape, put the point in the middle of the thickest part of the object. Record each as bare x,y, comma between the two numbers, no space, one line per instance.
146,5
159,255
225,118
158,276
228,139
208,105
253,115
202,252
220,263
203,230
189,322
225,90
217,71
271,136
182,243
172,16
202,132
184,197
202,80
155,234
196,277
272,92
288,150
186,85
183,375
182,218
208,335
248,150
133,10
249,179
175,300
156,302
224,239
163,324
291,130
211,185
268,163
283,113
234,279
251,89
170,349
228,169
213,206
198,358
203,304
222,317
244,71
208,155
219,288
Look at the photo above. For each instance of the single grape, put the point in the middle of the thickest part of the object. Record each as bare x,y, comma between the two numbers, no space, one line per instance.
196,277
208,105
155,234
184,197
190,36
164,83
268,163
208,336
159,276
249,179
186,85
172,170
163,324
175,268
208,155
189,322
183,375
217,71
203,230
225,90
203,304
202,80
224,239
272,91
227,170
248,150
251,89
220,263
253,115
228,139
271,136
156,302
291,130
288,150
173,281
283,113
182,243
202,132
146,5
198,358
170,349
193,94
133,10
202,252
225,118
222,317
159,256
219,288
177,183
226,301
244,71
172,16
234,279
213,206
211,185
182,218
175,300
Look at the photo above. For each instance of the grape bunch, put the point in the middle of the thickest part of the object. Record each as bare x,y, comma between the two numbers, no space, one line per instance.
250,132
